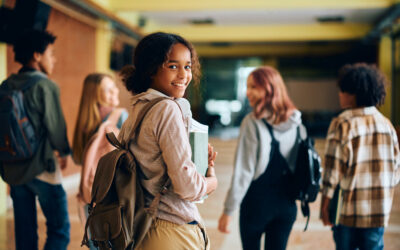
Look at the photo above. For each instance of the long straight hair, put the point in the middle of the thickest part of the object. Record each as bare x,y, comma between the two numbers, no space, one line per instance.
88,116
276,102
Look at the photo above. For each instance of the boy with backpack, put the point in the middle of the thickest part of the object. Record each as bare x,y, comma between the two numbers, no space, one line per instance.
362,158
38,176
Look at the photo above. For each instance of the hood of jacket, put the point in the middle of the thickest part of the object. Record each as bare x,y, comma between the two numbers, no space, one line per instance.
293,121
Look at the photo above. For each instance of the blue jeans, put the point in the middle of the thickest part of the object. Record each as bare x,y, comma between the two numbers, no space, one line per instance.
349,238
53,201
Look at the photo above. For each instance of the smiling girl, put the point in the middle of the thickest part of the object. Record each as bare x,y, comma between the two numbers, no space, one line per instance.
164,65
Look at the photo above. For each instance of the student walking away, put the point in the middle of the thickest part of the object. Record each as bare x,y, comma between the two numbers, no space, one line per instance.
98,114
164,65
362,159
40,175
266,152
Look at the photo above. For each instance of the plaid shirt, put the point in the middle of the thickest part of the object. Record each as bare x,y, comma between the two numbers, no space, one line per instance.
362,154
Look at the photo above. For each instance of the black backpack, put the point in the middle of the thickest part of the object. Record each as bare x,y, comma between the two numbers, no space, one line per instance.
306,179
304,183
18,138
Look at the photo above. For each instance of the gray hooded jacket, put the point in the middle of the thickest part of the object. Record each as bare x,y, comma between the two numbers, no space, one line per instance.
253,150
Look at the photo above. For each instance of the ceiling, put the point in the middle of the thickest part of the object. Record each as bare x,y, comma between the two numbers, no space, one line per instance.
248,26
260,16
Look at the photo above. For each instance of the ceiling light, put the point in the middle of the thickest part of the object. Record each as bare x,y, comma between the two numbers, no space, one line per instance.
201,21
330,19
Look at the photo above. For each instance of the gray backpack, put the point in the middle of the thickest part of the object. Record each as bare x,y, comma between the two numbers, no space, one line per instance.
18,138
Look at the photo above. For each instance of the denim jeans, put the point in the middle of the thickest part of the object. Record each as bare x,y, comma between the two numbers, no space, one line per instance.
349,238
53,201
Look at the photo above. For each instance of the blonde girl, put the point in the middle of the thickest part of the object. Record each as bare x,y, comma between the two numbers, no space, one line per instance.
99,98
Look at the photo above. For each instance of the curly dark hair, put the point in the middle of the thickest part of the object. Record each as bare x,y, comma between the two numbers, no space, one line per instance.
364,81
29,42
150,54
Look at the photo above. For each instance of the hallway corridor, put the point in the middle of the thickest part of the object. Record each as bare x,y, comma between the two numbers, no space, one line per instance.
316,237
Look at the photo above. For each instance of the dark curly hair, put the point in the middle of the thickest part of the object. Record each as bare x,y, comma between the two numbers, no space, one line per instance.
29,42
150,54
364,81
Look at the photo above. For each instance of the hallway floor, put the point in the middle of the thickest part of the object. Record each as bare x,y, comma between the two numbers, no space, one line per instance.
316,237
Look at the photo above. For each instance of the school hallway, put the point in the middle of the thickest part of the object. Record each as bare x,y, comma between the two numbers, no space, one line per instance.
316,237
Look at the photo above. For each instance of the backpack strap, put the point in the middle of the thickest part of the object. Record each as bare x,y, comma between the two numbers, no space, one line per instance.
271,131
152,209
298,137
113,140
301,133
136,128
305,209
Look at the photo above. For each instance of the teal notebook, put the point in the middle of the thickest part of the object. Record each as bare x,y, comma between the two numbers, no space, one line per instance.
198,137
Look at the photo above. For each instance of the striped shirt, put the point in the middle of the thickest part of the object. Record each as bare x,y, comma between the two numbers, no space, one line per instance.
362,154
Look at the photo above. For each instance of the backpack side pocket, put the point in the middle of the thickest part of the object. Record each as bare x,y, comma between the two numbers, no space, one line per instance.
105,227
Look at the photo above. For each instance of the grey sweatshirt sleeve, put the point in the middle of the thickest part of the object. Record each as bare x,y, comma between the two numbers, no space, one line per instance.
244,167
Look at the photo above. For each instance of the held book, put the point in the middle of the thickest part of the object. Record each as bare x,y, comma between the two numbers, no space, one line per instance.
198,137
335,206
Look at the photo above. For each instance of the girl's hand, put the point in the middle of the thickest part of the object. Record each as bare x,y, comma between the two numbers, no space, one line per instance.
62,160
211,155
211,178
223,223
210,172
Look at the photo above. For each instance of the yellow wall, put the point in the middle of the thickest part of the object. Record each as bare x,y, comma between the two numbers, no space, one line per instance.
385,64
3,75
103,47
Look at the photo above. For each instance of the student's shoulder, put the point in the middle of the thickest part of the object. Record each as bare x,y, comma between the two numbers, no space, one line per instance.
345,117
46,84
250,120
165,111
340,128
166,106
250,124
